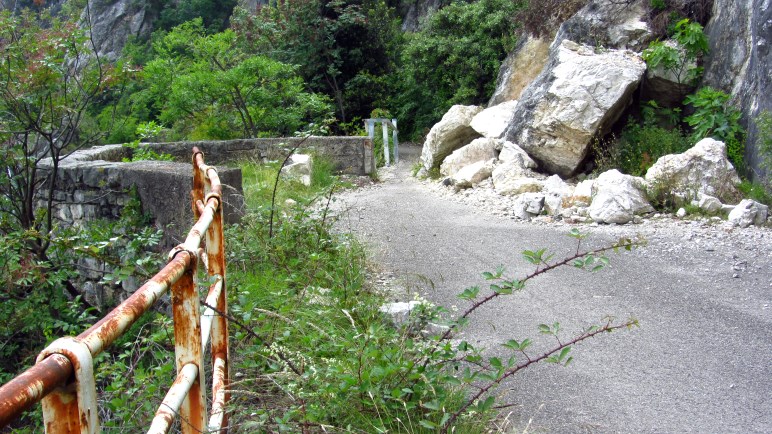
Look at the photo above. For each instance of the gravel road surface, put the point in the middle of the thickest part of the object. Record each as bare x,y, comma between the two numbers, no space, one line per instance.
700,362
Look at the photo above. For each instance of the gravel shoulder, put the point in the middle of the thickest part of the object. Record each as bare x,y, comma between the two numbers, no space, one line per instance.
700,362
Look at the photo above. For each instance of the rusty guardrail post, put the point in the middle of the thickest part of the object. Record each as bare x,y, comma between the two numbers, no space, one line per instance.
215,253
215,247
187,344
72,408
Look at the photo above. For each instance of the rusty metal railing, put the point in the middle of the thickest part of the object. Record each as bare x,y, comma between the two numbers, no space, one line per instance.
63,378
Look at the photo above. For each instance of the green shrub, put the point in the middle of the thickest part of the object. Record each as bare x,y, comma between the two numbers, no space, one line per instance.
680,60
657,4
140,152
764,141
639,147
209,87
714,117
344,49
757,191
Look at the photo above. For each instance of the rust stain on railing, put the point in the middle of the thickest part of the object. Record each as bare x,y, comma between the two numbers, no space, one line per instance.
63,377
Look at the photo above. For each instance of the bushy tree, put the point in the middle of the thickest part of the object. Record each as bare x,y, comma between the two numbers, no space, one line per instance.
454,59
207,87
342,48
49,78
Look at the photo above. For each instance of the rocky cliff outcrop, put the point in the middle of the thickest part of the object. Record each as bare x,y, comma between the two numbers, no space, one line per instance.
113,22
608,23
413,12
739,62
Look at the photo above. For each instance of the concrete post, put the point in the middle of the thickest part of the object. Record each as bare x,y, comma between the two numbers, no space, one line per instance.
396,142
386,152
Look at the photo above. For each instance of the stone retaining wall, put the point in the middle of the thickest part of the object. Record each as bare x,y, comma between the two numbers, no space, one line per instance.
351,155
95,183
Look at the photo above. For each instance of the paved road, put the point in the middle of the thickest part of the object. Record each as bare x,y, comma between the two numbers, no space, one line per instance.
701,361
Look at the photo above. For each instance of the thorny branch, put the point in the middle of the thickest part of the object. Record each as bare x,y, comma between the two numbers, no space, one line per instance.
606,328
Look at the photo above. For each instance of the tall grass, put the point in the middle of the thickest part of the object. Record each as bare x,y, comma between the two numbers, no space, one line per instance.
315,353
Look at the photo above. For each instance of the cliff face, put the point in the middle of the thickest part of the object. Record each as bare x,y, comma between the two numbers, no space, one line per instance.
413,11
740,34
113,22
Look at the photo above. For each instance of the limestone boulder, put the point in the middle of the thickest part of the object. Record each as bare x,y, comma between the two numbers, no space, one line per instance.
482,149
472,174
618,198
512,152
600,23
748,212
449,134
299,168
582,195
511,178
401,313
703,169
708,204
528,205
556,194
492,121
579,94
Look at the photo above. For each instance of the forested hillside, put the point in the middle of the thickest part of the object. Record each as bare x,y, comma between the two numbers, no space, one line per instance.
349,58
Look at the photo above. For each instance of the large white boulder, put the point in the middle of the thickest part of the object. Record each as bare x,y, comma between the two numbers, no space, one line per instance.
580,93
492,121
482,149
299,167
400,313
748,212
449,134
617,198
472,174
703,169
512,178
512,152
